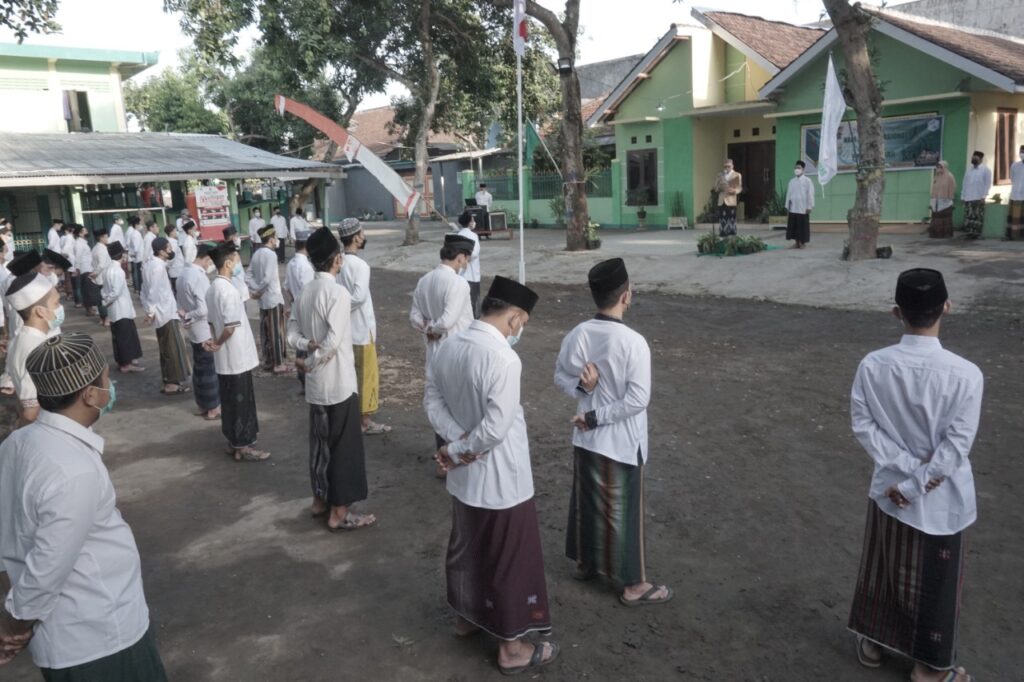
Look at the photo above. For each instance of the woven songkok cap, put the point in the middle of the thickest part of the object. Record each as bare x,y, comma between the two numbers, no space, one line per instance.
921,289
513,293
64,364
607,275
267,232
349,226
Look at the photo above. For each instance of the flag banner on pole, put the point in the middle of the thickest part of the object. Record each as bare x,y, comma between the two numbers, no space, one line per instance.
519,30
832,111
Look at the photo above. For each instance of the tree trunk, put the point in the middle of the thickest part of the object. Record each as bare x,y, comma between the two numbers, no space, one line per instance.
577,215
429,94
310,184
861,89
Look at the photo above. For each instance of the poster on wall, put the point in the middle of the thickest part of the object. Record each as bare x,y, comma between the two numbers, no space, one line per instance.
910,142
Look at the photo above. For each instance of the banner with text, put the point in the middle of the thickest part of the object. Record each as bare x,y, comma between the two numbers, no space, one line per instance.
910,142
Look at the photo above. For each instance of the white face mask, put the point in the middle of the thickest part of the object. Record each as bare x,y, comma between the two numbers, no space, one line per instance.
210,269
1022,156
515,338
798,172
53,279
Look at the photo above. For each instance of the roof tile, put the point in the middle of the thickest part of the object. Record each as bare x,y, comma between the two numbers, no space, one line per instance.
778,42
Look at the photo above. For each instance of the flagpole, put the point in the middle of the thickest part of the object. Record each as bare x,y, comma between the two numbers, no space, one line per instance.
519,110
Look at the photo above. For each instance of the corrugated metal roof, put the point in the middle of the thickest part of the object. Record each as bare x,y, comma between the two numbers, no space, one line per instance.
33,160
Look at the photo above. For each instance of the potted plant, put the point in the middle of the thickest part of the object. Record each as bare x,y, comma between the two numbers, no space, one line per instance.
638,198
593,241
709,243
678,218
774,212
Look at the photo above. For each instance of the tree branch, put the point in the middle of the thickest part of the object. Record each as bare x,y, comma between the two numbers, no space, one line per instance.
550,21
390,73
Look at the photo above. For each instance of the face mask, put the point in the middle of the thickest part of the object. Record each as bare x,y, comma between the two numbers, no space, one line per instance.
170,256
210,269
53,279
363,245
798,172
58,318
515,338
237,270
237,241
113,398
975,162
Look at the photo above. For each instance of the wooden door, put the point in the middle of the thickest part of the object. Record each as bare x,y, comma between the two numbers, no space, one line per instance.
756,162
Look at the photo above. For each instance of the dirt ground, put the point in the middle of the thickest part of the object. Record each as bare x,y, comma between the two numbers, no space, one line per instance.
756,497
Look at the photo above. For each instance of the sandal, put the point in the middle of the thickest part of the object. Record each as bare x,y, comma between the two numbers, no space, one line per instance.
647,598
537,660
180,389
250,455
957,674
353,522
862,656
583,574
375,429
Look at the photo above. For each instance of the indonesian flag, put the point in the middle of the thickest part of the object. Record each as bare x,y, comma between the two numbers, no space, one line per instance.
519,27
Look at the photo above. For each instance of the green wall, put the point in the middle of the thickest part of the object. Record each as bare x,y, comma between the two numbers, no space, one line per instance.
670,85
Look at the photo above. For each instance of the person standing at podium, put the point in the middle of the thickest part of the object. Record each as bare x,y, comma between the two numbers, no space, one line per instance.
484,200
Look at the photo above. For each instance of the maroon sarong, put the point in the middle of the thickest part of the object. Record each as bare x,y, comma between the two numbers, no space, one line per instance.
495,569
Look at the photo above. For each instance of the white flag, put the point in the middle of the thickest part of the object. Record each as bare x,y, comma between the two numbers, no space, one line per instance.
832,112
519,26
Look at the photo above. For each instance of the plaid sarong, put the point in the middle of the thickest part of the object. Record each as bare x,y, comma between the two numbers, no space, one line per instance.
272,337
1015,220
205,385
908,591
974,218
605,532
175,360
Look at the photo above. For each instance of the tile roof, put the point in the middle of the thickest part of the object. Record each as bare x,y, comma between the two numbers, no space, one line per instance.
54,159
1002,54
778,42
373,128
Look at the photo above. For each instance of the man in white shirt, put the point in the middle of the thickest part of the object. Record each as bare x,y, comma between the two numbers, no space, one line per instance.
472,271
193,286
177,262
495,567
188,242
977,183
117,230
22,263
73,581
100,262
238,274
320,325
280,223
182,218
799,204
38,305
914,409
67,250
234,357
256,223
53,235
151,233
118,302
296,224
355,277
440,302
135,246
298,274
484,199
82,260
606,367
264,284
1015,215
157,300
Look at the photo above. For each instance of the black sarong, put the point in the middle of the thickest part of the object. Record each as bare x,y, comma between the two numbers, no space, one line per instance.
495,569
337,462
798,228
238,419
138,663
205,384
908,590
125,338
92,293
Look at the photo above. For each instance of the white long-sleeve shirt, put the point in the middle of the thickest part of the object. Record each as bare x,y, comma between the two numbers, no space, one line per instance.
189,248
178,263
53,239
135,245
263,278
296,224
147,246
915,408
83,256
67,247
800,195
100,260
26,341
473,388
280,224
355,277
192,286
298,273
70,556
322,314
225,308
255,225
472,271
116,296
157,297
116,234
440,305
977,183
1017,181
623,391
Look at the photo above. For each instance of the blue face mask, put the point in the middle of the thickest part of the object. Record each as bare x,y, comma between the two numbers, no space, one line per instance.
514,339
58,318
113,398
237,271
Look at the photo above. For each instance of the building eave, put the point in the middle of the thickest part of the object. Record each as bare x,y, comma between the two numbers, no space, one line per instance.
698,13
823,43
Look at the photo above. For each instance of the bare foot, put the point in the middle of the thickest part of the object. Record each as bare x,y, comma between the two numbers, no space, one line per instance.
923,673
250,455
518,653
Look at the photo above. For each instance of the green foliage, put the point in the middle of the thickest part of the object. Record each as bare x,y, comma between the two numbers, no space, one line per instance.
677,205
172,102
738,245
775,205
595,159
557,207
29,16
638,197
709,213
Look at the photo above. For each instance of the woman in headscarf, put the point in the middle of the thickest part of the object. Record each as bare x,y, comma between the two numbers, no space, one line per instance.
943,190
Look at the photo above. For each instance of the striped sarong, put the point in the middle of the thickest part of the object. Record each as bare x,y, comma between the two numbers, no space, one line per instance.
272,338
974,218
495,569
205,385
367,377
175,363
605,533
908,590
337,461
1015,220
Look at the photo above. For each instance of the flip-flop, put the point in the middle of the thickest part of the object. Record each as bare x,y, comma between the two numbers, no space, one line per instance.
863,658
250,455
348,525
375,429
180,389
957,674
537,660
645,598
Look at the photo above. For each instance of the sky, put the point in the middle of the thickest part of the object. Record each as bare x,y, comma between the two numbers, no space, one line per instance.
143,25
